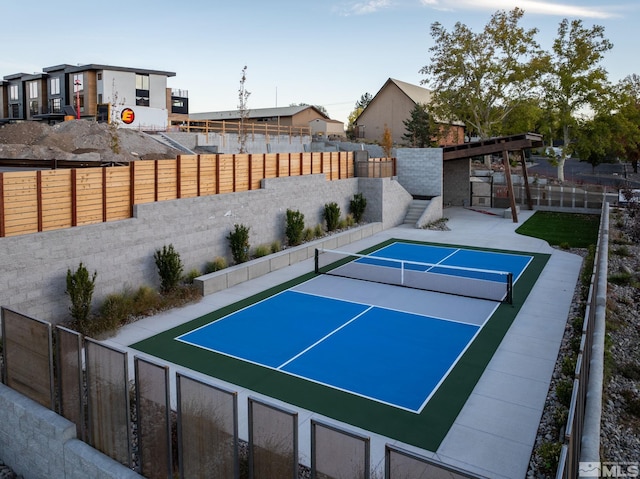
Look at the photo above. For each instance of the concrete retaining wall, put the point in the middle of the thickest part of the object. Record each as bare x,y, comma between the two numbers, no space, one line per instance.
228,277
433,212
37,443
228,142
34,266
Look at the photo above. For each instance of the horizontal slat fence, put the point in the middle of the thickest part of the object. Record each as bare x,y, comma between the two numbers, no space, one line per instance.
34,201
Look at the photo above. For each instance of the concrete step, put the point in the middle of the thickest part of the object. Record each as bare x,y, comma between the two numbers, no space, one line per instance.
415,210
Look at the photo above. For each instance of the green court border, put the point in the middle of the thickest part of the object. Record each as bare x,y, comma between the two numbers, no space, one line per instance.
425,430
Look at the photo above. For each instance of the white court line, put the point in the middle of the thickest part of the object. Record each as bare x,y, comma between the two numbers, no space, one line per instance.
324,338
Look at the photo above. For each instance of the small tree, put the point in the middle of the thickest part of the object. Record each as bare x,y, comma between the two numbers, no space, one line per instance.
295,227
169,268
80,288
421,129
357,206
243,96
239,243
387,141
332,216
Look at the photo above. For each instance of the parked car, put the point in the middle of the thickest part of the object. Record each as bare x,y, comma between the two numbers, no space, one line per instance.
555,152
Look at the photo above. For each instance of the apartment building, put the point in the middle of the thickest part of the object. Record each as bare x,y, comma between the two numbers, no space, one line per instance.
133,97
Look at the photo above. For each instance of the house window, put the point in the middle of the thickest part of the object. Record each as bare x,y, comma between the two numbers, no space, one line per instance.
33,107
33,90
99,76
54,86
13,92
56,105
142,90
78,90
142,82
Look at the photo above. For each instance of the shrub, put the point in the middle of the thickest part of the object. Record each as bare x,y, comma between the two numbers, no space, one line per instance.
145,301
261,250
169,268
276,246
114,311
569,366
318,231
630,370
217,264
549,454
295,227
239,243
190,276
621,279
80,288
632,402
308,234
332,216
564,388
357,206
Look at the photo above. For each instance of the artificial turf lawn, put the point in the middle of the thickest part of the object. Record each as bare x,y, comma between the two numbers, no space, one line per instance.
425,430
574,229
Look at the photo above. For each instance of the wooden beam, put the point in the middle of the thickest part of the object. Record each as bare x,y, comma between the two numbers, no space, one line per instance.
525,178
507,175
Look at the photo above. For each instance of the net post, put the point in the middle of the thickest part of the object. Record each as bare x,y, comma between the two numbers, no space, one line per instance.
315,258
510,288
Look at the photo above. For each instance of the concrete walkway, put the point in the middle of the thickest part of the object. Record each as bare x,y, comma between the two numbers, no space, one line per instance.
495,432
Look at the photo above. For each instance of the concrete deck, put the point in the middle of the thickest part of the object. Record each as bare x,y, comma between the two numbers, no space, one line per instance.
495,432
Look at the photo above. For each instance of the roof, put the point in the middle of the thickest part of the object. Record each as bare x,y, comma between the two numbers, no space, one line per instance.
253,113
98,67
416,93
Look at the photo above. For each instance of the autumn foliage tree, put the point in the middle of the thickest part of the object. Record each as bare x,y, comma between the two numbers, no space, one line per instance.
387,141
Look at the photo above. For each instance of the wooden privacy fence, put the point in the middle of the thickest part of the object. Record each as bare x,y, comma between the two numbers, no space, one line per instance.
35,201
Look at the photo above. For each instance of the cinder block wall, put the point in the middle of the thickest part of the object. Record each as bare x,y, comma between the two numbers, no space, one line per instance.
34,266
457,185
420,170
39,444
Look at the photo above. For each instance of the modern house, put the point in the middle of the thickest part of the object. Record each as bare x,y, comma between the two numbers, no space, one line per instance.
392,106
302,116
135,98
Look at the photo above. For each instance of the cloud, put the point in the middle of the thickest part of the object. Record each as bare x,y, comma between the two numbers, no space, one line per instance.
365,8
529,6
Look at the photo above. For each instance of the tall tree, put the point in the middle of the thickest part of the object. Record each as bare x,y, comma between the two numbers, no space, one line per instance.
575,79
421,129
364,101
627,115
243,96
478,78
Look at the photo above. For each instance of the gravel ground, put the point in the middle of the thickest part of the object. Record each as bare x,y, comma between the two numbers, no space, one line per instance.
620,425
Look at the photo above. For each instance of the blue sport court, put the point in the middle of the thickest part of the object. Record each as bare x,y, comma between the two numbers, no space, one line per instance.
350,348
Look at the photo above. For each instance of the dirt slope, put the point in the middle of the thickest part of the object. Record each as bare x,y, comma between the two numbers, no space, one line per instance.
79,140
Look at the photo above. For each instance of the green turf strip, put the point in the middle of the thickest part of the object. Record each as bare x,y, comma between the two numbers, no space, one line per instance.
425,430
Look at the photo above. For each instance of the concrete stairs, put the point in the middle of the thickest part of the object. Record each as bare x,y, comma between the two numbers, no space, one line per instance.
415,210
165,140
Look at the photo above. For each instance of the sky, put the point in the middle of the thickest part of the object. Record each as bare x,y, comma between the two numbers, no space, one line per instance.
327,53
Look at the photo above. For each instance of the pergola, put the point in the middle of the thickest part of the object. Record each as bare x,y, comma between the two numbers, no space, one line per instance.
503,145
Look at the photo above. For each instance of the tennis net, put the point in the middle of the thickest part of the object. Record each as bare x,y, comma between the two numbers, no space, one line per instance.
461,281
